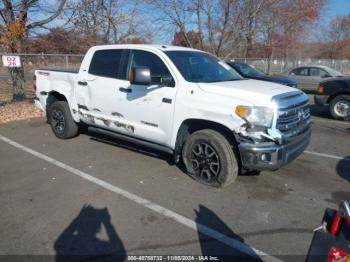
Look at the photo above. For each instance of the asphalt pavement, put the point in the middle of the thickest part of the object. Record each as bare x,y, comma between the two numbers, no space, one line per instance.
95,195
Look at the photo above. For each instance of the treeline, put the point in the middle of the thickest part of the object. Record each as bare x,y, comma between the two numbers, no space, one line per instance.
226,28
64,41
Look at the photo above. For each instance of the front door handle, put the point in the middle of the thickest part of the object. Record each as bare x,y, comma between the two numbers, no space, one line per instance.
125,90
82,83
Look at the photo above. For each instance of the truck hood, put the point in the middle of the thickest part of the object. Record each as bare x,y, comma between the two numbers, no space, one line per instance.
255,92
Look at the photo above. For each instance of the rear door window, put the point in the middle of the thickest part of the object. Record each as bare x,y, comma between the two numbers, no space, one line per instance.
317,72
314,71
107,63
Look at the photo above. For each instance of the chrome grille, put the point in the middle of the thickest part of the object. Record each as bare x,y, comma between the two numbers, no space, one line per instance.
293,115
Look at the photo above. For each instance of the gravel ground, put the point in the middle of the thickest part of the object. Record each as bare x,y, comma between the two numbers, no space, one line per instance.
19,111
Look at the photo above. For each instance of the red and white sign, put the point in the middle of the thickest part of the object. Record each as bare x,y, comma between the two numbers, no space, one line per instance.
11,61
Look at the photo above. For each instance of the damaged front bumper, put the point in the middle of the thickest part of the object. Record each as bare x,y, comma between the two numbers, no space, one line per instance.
270,155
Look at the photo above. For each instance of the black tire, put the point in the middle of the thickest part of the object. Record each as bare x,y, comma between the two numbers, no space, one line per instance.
197,163
61,120
337,104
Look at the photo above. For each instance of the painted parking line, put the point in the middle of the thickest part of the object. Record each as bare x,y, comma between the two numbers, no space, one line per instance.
231,242
327,155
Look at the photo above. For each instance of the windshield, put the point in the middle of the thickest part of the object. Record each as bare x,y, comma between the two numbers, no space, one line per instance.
248,70
202,67
333,72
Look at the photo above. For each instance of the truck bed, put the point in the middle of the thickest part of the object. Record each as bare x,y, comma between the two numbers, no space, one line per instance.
48,80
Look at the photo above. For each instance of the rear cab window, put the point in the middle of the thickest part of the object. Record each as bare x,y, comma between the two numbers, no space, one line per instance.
108,63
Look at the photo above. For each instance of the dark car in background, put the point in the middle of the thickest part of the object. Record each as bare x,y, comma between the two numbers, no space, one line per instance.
335,93
249,71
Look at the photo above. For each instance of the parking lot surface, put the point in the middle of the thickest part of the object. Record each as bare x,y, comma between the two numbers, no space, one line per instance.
97,195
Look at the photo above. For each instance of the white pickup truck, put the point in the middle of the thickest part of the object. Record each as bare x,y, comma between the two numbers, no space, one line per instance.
182,101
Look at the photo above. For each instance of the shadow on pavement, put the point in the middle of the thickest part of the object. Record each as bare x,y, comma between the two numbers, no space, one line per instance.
147,151
80,240
320,111
323,111
343,168
130,146
213,247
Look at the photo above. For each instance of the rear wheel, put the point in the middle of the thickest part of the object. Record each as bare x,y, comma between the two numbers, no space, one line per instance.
209,158
61,120
340,107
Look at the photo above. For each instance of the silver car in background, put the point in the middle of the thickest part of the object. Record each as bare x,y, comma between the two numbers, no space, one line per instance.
308,77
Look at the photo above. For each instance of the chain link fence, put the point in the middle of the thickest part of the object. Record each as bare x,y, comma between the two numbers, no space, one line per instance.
282,66
31,62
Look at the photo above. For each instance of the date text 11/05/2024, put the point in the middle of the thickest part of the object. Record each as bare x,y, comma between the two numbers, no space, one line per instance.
173,258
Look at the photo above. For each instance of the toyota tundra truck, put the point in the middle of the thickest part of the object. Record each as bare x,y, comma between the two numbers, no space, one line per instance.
181,101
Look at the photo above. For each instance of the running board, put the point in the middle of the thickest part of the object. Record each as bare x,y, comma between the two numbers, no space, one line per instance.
131,139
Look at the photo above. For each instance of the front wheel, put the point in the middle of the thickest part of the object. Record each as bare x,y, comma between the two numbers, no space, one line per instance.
209,158
61,120
340,107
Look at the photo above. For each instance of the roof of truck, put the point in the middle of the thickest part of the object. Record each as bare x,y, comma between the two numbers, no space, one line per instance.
147,46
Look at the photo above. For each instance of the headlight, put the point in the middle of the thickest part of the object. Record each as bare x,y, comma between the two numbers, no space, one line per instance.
256,115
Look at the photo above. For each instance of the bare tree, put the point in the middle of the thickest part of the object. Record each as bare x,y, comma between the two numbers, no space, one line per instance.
218,29
17,20
336,35
107,21
221,25
176,13
251,12
198,7
282,22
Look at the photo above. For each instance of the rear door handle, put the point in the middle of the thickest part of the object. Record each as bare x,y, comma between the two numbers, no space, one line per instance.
82,83
125,90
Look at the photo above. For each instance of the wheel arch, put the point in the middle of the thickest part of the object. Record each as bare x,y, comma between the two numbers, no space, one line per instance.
54,96
192,125
331,97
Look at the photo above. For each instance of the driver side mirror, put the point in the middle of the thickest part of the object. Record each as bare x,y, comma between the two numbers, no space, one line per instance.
326,76
140,75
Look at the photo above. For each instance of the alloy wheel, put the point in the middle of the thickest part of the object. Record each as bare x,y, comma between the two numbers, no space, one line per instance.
57,121
205,162
342,108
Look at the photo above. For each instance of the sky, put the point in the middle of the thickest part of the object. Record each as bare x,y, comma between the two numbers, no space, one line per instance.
331,9
335,8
